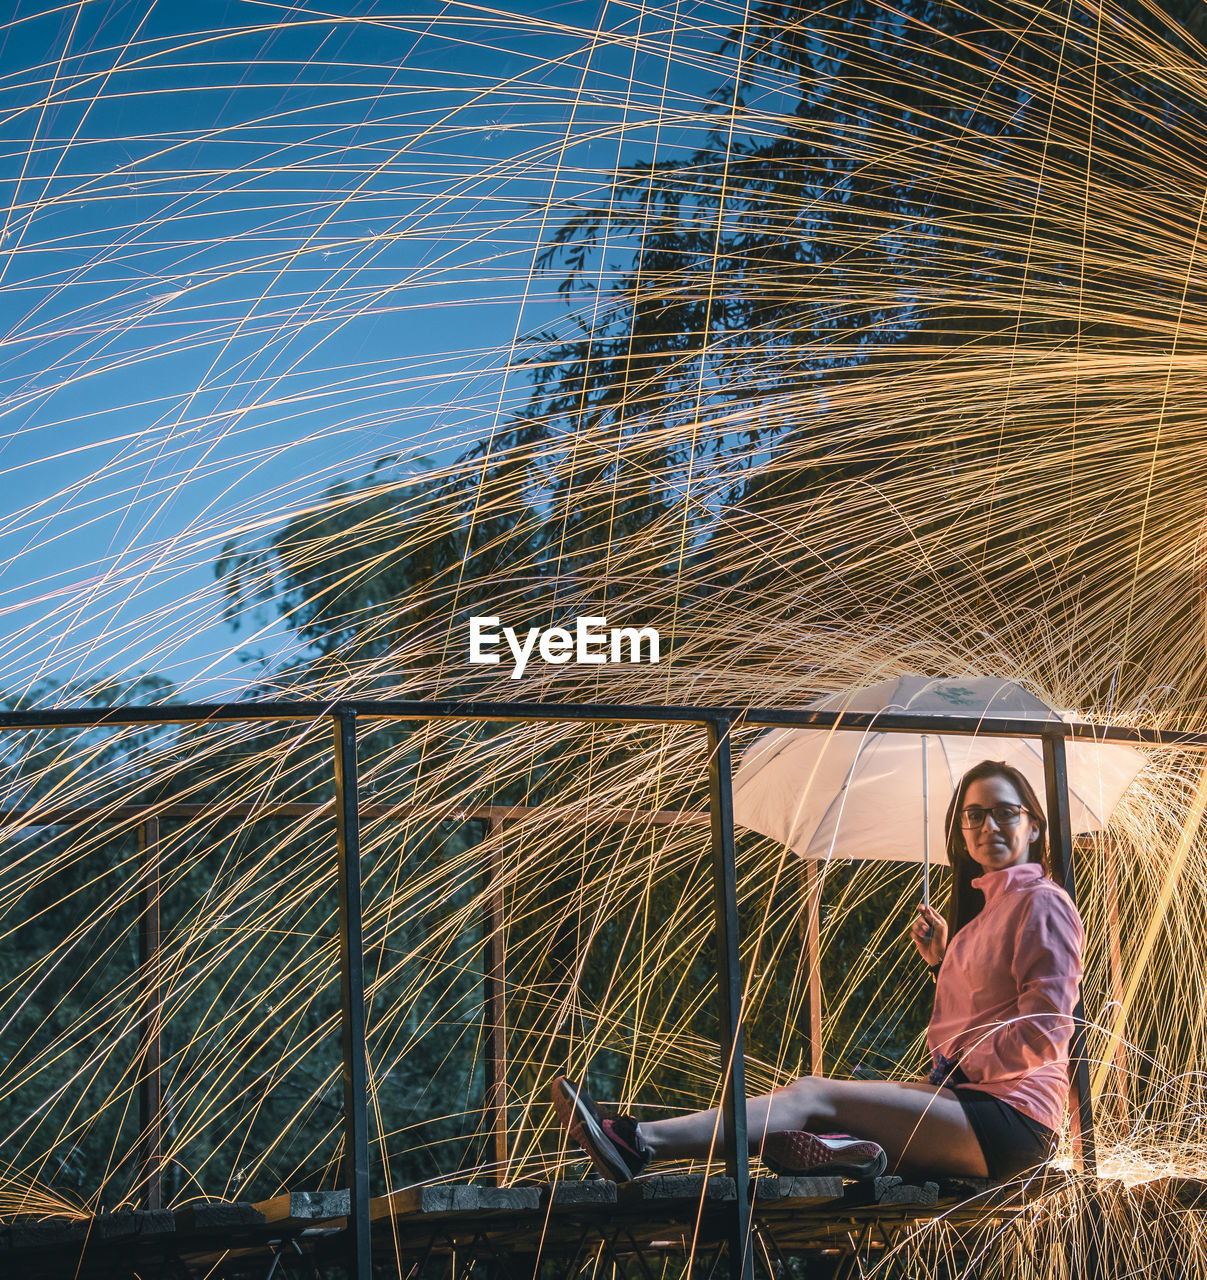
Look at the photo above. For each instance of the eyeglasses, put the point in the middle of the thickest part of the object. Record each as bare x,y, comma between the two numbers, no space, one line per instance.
1005,815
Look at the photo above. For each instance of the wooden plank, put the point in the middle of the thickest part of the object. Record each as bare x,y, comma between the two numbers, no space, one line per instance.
47,1235
890,1189
218,1215
963,1188
676,1186
305,1207
1186,1193
474,1199
568,1195
979,1195
413,1201
924,1193
802,1191
805,1215
426,1202
139,1224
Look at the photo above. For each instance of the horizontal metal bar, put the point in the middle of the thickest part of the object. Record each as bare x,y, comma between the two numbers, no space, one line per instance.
235,712
740,717
62,815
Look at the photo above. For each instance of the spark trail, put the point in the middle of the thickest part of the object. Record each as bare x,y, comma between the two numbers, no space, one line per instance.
894,361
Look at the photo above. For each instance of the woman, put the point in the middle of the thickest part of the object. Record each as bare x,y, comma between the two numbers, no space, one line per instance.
1007,962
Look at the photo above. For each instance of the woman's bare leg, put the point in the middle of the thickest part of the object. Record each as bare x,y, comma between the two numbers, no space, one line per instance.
920,1127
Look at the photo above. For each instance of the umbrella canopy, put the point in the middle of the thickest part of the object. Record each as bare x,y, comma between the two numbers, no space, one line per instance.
856,794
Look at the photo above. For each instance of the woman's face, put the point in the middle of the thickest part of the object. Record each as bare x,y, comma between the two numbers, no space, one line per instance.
995,846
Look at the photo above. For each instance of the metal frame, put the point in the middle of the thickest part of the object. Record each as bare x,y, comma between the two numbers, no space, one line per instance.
352,998
719,723
1060,846
150,1067
494,1017
809,1022
729,989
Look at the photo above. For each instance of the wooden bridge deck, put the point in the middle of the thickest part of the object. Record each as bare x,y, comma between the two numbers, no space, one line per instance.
511,1226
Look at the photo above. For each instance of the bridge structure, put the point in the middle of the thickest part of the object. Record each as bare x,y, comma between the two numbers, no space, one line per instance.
735,1223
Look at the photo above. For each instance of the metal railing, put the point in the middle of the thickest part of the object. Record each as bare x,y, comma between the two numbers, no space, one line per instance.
718,723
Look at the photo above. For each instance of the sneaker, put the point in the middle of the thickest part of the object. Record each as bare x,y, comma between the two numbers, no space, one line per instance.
797,1153
613,1145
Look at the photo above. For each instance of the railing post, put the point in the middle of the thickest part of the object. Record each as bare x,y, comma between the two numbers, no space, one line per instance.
150,1021
810,938
1115,954
494,1009
1060,842
729,990
352,998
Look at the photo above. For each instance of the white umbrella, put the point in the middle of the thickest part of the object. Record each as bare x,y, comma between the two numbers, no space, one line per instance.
866,794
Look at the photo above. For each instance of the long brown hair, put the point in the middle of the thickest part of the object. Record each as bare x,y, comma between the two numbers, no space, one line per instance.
966,902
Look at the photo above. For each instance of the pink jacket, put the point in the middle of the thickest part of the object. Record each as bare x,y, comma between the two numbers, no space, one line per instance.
1007,989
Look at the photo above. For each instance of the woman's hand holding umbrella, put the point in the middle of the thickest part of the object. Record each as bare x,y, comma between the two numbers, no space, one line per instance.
929,933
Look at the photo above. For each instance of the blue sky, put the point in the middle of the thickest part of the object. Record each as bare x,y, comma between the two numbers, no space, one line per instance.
251,248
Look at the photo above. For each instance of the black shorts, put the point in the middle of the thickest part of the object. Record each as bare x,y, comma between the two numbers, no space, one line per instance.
1011,1142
